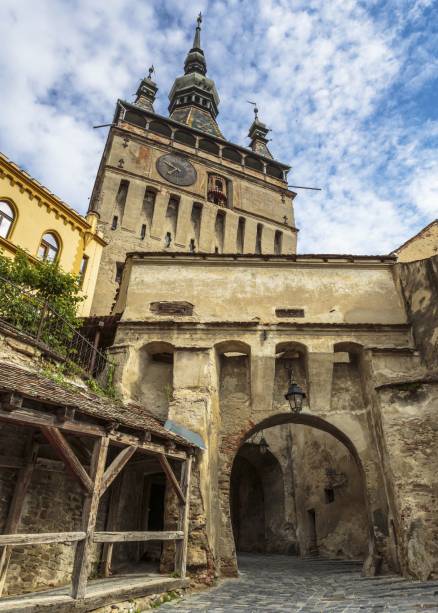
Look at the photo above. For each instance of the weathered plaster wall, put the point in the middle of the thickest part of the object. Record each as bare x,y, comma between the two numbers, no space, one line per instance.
347,293
410,433
323,465
423,245
419,285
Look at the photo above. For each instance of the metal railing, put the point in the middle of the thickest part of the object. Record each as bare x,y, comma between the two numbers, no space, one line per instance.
24,311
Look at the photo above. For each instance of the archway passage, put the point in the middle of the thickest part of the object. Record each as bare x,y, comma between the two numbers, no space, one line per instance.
304,494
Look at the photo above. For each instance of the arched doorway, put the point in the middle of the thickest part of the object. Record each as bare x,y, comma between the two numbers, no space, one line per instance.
320,502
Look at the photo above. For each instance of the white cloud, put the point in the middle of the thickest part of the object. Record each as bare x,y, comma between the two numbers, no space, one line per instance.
336,82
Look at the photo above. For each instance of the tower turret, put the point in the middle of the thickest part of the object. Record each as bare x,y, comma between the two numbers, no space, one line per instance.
257,133
146,92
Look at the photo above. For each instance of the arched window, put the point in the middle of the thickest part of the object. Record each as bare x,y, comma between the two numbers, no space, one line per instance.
49,247
7,216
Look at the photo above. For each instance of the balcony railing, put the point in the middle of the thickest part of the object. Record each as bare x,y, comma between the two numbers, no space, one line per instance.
23,311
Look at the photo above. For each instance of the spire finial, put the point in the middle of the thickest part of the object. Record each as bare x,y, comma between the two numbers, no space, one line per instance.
151,71
256,110
197,39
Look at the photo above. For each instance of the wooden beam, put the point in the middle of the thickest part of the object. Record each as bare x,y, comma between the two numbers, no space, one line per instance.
184,520
89,514
32,417
61,446
124,537
16,507
42,538
116,466
171,476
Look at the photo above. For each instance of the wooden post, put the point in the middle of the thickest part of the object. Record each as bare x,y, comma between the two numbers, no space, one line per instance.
16,507
111,524
89,514
183,520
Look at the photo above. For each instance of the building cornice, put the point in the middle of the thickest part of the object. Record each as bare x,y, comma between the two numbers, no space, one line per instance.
220,259
20,178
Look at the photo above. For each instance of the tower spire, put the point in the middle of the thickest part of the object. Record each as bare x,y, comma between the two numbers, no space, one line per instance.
193,98
197,38
195,60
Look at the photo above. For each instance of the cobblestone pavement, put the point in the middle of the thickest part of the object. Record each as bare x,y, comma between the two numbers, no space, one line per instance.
282,583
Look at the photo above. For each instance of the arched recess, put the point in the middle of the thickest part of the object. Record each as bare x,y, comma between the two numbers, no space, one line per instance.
234,378
231,154
152,383
181,136
158,127
274,171
254,163
209,146
230,448
135,118
290,361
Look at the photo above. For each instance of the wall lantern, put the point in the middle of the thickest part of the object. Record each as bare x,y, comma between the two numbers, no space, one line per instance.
295,395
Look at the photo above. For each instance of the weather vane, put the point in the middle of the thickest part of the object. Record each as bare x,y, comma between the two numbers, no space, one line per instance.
199,19
151,71
255,108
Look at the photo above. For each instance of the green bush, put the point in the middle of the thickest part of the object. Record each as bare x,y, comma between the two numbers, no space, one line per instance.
33,285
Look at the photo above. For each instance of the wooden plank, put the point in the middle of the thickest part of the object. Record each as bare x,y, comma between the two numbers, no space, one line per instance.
124,537
42,538
61,446
184,520
32,417
16,507
89,514
171,476
116,466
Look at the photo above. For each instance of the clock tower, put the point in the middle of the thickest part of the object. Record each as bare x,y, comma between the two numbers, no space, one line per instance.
177,184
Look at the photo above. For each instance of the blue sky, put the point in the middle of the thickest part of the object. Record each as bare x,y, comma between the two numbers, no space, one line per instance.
349,88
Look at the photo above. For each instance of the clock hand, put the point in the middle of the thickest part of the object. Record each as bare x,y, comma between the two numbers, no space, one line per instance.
170,165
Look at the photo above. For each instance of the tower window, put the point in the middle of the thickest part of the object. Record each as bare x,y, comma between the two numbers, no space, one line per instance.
167,240
258,248
217,191
329,495
143,231
122,192
119,271
192,245
115,222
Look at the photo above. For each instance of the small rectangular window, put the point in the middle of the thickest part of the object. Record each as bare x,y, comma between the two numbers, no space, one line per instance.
115,222
83,270
289,312
143,231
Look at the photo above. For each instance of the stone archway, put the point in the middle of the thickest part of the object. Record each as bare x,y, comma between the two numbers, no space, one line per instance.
231,451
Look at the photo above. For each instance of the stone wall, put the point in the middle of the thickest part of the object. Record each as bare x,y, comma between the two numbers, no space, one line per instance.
53,503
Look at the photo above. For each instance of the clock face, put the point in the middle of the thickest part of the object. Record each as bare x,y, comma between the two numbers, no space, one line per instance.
176,169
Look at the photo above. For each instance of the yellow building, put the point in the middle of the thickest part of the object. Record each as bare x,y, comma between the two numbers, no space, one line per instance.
35,220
